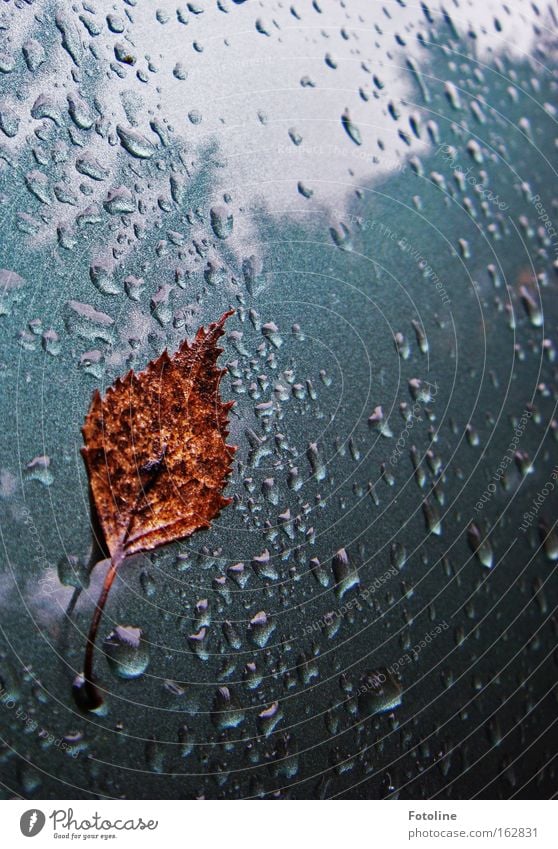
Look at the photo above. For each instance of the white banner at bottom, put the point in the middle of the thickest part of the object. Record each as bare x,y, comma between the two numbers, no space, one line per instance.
239,825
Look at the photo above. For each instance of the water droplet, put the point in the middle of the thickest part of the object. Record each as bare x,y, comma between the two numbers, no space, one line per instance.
135,142
127,651
221,221
378,692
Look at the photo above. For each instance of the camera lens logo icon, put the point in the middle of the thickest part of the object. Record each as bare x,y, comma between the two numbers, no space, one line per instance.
32,822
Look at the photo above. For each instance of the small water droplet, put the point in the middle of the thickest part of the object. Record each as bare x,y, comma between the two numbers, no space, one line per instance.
127,651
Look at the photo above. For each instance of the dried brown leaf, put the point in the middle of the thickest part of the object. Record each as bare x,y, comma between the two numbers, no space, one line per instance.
155,448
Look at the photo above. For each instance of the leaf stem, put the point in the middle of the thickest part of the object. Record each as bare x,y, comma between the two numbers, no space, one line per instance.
94,627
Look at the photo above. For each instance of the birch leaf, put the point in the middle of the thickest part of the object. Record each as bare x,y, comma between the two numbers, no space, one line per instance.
156,456
155,448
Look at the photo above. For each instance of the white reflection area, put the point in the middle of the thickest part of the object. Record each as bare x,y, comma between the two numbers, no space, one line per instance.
270,88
